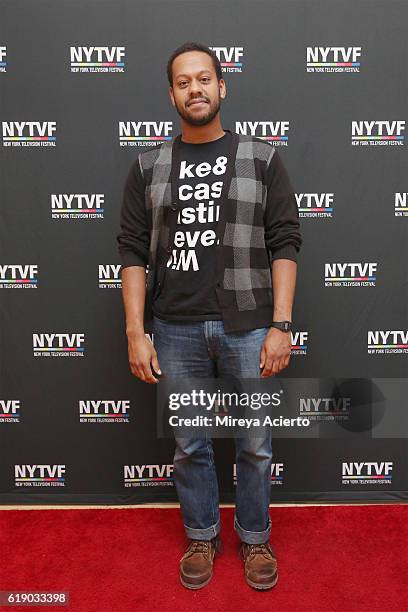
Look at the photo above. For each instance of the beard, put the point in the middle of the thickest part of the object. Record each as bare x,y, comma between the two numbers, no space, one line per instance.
203,118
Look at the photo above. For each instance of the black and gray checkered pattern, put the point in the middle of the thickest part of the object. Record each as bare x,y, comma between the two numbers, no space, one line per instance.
245,290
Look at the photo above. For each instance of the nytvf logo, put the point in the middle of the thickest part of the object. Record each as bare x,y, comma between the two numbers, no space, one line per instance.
3,58
401,204
380,342
97,59
325,408
148,475
16,276
277,473
231,58
319,205
299,342
144,133
29,133
77,205
10,411
44,475
366,472
275,132
333,59
58,345
109,276
350,274
384,133
104,411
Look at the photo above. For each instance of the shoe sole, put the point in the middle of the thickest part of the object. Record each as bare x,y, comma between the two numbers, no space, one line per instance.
195,586
262,587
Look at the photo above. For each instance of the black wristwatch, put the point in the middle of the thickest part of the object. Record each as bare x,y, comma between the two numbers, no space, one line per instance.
284,326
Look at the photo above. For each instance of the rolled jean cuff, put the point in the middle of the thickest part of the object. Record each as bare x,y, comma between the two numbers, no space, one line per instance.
253,537
203,534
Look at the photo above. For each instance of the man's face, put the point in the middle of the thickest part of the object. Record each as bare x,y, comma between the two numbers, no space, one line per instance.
196,93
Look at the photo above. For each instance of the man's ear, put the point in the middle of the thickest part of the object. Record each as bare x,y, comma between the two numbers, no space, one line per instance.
171,96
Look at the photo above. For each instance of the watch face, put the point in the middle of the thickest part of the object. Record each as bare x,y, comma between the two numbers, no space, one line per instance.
283,325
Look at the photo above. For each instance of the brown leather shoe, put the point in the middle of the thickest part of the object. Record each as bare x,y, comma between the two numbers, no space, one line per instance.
196,565
260,565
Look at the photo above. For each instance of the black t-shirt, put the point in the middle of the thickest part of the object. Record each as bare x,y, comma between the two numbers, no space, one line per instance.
188,293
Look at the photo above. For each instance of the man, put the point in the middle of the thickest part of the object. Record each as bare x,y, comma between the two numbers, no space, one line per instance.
212,216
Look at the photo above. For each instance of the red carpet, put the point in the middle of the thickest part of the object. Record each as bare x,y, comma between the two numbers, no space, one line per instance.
331,559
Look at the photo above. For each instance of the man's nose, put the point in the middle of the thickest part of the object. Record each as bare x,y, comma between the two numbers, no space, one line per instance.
195,87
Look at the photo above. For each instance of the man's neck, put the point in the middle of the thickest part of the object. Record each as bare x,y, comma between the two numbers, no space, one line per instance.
197,134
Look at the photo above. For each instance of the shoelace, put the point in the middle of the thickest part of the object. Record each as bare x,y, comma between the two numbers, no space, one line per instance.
199,546
262,549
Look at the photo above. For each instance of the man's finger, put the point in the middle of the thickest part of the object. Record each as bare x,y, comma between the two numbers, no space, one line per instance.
148,375
138,373
268,365
155,364
276,367
134,369
262,357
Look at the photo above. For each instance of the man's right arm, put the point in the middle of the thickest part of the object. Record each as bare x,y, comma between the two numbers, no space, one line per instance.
134,236
133,245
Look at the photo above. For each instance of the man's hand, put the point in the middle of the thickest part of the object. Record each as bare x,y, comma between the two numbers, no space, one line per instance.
275,352
142,357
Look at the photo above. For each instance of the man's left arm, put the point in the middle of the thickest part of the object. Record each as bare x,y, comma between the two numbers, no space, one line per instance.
283,240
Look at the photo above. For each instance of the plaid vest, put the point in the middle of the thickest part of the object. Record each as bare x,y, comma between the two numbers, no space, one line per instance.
243,274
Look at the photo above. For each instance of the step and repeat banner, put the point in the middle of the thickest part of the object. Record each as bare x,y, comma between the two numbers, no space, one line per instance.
83,91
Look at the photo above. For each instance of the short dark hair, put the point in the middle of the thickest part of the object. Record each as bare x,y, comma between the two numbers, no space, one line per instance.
193,46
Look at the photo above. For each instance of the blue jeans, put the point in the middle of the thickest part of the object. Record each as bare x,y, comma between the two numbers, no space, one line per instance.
203,349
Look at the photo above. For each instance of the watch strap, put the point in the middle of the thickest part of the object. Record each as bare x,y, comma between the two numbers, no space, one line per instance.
282,325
